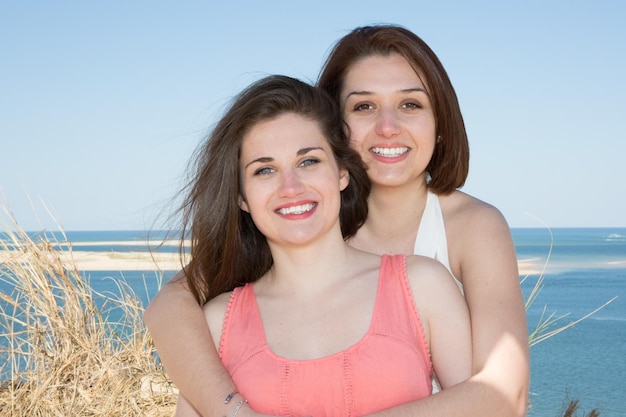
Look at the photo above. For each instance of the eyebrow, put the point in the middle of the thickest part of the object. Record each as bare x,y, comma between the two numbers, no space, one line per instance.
406,90
265,159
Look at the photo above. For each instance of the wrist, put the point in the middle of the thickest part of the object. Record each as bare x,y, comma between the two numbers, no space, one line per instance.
238,404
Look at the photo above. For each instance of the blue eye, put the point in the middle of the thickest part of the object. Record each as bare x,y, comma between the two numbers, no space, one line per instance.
263,171
309,162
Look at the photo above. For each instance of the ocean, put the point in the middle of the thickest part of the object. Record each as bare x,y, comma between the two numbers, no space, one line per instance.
584,268
587,362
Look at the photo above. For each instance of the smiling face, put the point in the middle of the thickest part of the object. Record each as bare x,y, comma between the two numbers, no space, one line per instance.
392,124
290,180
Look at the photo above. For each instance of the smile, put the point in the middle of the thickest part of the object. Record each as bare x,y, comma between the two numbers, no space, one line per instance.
390,152
297,209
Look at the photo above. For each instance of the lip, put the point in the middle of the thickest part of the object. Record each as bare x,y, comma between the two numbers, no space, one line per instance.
297,210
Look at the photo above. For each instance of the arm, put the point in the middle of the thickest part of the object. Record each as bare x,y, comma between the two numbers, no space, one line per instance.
487,262
184,409
177,324
488,265
445,318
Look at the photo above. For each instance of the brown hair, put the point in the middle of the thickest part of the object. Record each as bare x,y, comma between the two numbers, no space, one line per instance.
449,164
227,249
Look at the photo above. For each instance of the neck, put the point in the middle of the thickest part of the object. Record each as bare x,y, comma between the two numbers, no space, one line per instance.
393,219
307,269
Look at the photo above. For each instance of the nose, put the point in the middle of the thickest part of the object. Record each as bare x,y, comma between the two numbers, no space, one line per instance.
290,184
387,124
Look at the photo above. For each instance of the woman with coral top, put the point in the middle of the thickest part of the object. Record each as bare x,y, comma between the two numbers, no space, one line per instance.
313,326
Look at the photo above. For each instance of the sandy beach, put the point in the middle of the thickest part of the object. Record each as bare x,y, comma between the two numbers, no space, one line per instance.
111,261
148,261
104,258
528,267
123,261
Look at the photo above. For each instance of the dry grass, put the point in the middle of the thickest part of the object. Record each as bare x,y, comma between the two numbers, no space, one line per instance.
61,353
572,410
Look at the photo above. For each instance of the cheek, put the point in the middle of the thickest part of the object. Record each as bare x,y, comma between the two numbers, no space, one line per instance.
360,147
248,198
357,134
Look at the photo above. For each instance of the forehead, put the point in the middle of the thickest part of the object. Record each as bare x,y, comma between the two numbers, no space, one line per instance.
286,133
382,73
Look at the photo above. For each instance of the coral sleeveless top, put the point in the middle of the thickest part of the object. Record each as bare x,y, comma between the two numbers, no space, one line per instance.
389,366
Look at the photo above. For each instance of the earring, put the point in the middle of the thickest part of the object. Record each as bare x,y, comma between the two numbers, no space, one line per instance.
438,139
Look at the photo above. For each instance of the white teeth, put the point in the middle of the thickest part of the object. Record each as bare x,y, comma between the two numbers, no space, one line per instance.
390,152
297,209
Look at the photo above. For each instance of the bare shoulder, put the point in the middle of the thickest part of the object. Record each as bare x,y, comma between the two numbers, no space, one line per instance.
434,291
470,219
459,207
427,273
214,312
479,239
419,263
217,305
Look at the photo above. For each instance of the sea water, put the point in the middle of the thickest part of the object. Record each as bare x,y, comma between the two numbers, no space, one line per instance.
584,268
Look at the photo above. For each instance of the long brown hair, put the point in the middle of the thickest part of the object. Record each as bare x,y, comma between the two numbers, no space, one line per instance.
449,165
227,249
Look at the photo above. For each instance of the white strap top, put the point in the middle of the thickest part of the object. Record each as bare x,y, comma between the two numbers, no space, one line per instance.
431,236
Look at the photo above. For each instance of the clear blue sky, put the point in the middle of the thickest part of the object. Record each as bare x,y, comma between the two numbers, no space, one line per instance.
102,103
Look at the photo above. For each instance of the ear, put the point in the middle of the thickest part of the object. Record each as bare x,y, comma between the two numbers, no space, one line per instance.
344,179
242,204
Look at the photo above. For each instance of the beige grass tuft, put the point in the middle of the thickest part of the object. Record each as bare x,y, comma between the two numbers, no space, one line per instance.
60,353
